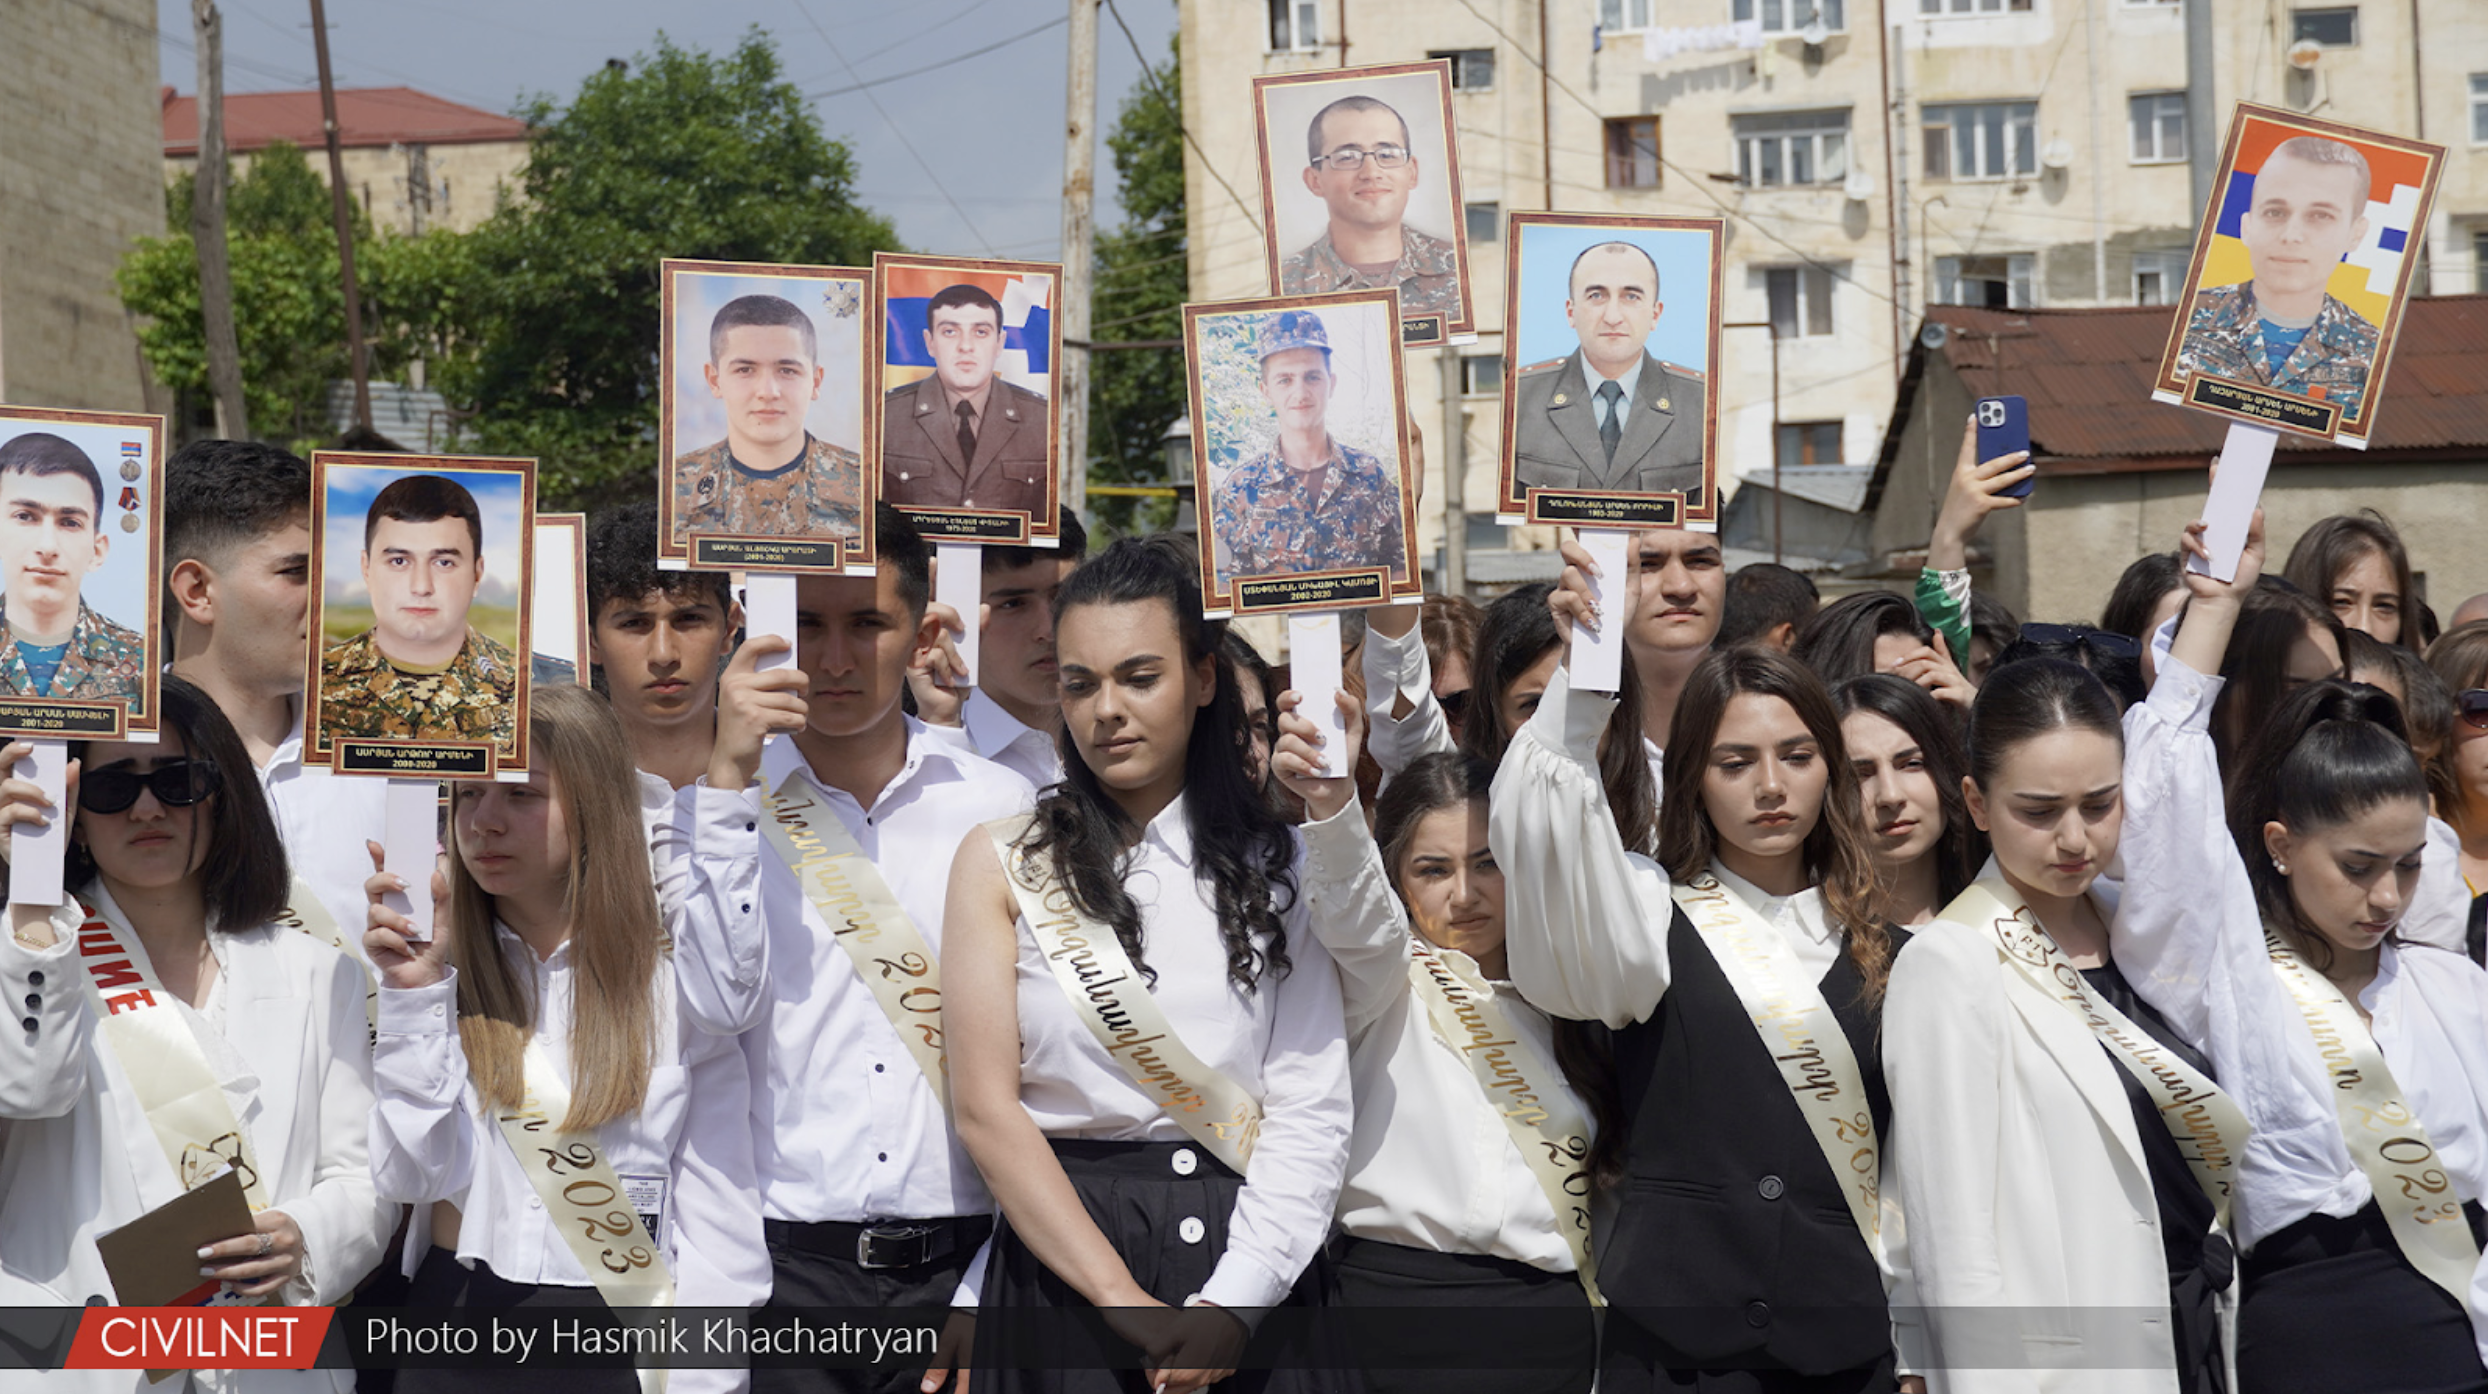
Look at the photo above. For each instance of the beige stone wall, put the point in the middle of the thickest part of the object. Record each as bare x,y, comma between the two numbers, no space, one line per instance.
467,182
80,136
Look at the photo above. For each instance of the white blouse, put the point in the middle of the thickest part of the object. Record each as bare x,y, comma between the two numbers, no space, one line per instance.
1395,668
704,849
2189,936
1283,1044
1433,1164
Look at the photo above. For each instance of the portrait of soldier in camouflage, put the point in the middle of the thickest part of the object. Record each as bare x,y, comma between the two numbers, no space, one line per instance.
53,643
2282,329
1308,502
422,671
1361,165
770,476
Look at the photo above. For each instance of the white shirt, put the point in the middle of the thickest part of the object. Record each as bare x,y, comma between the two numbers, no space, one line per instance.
324,820
1395,668
2189,935
432,1139
986,729
1283,1044
1433,1165
704,848
845,1126
1798,918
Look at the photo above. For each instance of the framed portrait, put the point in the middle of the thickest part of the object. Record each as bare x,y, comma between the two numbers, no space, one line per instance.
1360,188
557,603
1614,332
965,430
2301,268
1302,451
422,581
763,418
81,573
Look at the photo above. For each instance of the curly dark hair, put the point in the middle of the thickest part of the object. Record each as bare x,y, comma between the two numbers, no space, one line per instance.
1242,851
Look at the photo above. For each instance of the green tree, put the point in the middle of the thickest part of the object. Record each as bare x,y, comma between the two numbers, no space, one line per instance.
1141,280
681,154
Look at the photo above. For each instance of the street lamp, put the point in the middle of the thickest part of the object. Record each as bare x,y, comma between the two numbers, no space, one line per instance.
1176,445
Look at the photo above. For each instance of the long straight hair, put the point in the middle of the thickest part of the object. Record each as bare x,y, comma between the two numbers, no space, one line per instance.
2335,544
1517,632
2255,669
1963,848
616,934
1839,856
1242,850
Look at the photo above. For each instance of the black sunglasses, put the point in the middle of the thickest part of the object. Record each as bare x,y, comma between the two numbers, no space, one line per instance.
176,783
1455,705
2472,703
2105,641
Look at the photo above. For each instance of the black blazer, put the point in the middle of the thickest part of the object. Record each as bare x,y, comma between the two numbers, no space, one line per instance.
1734,1244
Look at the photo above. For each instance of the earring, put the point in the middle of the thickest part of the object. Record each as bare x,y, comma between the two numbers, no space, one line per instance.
2279,869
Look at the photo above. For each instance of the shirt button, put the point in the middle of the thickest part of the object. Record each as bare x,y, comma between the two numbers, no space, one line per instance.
34,1001
751,827
1757,1314
747,909
1770,1188
885,1156
35,978
535,1202
1192,1229
1184,1162
877,1069
29,1024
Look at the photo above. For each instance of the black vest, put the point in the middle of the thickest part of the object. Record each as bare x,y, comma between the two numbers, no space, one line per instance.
1734,1244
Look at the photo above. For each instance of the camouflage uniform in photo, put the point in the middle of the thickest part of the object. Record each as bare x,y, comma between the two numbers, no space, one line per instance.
1427,274
820,496
2224,339
103,660
1270,528
364,697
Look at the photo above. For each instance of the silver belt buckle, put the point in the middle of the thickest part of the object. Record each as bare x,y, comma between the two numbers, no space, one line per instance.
893,1246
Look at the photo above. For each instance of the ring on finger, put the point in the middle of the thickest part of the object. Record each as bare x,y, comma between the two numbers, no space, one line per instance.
266,1243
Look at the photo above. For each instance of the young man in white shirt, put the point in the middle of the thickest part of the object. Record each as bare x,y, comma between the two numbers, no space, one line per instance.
868,1199
1014,714
237,552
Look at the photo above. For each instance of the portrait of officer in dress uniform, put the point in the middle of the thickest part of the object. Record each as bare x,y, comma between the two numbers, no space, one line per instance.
770,476
53,643
422,671
964,437
1308,502
1609,415
2282,329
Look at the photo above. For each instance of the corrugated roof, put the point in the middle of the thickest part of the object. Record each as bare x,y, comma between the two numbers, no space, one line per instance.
1834,486
366,116
2087,374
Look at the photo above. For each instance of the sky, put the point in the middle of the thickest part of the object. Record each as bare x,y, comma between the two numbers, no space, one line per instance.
966,159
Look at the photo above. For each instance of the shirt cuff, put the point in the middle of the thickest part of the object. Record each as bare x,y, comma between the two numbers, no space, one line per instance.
725,823
1335,846
1396,667
420,1011
1572,722
2182,697
1243,1286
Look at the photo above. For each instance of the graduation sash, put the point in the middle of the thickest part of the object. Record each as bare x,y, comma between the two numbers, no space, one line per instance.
2385,1137
2209,1128
138,1022
1804,1038
1113,999
889,952
584,1199
304,911
1527,1093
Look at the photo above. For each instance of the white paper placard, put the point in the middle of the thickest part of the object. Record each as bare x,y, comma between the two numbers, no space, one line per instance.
769,608
1314,670
35,854
2245,458
959,582
410,840
1598,655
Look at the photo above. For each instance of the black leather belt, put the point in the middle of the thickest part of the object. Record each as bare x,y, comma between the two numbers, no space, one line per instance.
883,1244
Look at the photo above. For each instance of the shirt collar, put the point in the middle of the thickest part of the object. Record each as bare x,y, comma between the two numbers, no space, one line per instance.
516,951
1172,830
977,402
993,729
1630,382
780,761
288,751
1804,909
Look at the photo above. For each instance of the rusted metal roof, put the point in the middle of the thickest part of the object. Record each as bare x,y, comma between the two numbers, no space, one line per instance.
366,116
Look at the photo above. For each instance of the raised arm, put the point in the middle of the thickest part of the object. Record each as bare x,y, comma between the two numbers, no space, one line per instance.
1355,913
721,941
1404,718
424,1123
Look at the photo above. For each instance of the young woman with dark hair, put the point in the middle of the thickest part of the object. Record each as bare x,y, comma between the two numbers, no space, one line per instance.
1742,975
2062,1154
2355,564
1153,889
2111,657
1471,1174
2282,640
167,974
1879,632
548,993
2441,910
2148,594
2460,660
1909,760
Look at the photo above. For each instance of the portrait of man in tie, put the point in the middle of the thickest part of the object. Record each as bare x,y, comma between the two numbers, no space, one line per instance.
1602,410
965,437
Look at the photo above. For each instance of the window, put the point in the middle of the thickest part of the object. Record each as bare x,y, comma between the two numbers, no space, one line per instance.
2157,276
2479,108
1800,300
1809,443
1481,375
1794,147
2157,122
1472,69
1989,140
1999,283
1791,16
1970,7
1633,152
1485,221
1619,16
2333,28
1295,26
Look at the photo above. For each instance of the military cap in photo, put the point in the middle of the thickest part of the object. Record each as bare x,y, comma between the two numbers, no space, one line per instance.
1282,330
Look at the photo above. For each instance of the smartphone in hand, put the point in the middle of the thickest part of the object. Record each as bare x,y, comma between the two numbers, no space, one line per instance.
2004,427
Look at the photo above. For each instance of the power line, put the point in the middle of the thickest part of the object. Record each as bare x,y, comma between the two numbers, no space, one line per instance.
1055,22
1149,74
895,129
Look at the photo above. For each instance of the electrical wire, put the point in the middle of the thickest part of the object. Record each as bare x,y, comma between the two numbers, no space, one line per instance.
921,163
1149,74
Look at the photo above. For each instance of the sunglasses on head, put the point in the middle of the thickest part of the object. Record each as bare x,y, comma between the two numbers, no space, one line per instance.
2472,704
2105,641
176,784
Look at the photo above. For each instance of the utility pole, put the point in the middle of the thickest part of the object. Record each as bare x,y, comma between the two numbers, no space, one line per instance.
2202,150
1455,577
339,202
207,229
1079,247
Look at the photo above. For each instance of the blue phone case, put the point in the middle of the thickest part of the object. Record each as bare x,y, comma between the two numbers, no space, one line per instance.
2004,427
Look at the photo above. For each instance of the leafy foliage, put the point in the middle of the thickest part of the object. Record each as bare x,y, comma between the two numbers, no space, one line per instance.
1141,282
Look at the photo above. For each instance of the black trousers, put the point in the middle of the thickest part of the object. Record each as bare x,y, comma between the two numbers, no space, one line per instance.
1632,1361
2331,1304
1496,1315
441,1281
805,1276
